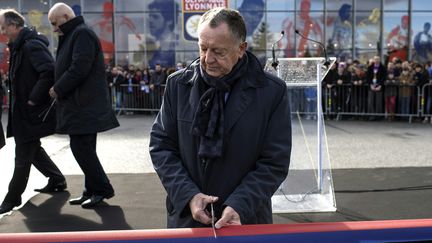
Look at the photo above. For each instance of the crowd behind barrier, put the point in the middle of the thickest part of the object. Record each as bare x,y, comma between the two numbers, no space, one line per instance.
406,93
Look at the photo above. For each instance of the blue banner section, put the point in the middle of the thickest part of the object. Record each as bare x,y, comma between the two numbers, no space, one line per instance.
422,234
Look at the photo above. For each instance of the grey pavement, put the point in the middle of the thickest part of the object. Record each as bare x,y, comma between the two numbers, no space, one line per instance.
374,164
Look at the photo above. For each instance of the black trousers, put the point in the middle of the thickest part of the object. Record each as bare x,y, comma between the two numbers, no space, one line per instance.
27,154
84,150
2,137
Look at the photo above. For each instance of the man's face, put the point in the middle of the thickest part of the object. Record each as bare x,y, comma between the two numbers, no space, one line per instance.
9,30
56,20
156,23
377,60
219,50
158,68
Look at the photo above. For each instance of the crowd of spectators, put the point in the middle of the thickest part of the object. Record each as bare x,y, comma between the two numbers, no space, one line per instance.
372,90
133,88
379,89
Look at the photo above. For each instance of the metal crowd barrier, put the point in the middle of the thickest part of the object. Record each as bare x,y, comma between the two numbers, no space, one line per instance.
358,100
409,101
136,97
426,100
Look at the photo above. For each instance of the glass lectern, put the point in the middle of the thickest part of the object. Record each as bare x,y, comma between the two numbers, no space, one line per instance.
309,184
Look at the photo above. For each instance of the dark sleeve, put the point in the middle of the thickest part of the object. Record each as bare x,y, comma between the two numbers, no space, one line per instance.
84,50
271,168
165,154
383,75
346,78
43,63
369,75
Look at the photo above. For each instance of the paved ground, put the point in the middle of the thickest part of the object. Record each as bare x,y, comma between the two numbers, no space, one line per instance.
380,170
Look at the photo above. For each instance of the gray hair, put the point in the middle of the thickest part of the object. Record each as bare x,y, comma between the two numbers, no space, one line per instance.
232,18
11,16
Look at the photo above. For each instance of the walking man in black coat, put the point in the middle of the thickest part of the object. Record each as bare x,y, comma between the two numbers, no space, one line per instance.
31,74
83,104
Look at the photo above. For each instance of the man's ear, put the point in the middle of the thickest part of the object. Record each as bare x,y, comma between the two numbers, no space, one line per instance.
242,48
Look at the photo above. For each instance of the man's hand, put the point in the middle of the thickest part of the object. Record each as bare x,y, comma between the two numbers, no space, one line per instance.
29,102
198,206
52,93
229,217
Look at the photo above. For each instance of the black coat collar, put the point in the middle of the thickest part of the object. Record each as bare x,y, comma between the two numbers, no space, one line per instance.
71,24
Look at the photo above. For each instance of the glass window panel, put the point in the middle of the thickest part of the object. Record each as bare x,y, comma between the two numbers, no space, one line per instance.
129,31
122,58
278,21
395,5
395,34
339,33
367,30
280,5
162,35
367,5
253,14
102,26
9,4
310,5
309,26
40,5
149,37
105,6
186,56
421,5
422,37
130,37
337,4
130,5
365,55
40,20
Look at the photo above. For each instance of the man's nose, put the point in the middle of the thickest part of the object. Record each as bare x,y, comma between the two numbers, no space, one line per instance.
209,57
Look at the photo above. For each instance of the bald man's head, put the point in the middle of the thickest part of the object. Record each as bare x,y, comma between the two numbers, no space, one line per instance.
59,14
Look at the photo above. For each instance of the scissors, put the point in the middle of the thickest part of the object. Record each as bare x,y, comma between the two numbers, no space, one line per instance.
213,220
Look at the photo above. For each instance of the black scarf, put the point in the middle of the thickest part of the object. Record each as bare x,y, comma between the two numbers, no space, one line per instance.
208,122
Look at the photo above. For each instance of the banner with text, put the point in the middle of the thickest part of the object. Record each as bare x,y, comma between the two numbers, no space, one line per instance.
192,11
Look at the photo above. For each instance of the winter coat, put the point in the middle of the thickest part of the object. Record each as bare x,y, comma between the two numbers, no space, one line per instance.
31,75
256,154
83,105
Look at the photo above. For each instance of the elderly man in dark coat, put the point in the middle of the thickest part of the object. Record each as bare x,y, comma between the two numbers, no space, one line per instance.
31,74
222,139
83,104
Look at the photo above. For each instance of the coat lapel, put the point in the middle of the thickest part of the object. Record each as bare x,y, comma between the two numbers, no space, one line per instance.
243,93
238,102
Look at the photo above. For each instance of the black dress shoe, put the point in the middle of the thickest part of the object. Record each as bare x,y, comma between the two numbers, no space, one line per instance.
78,200
6,207
95,200
53,187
